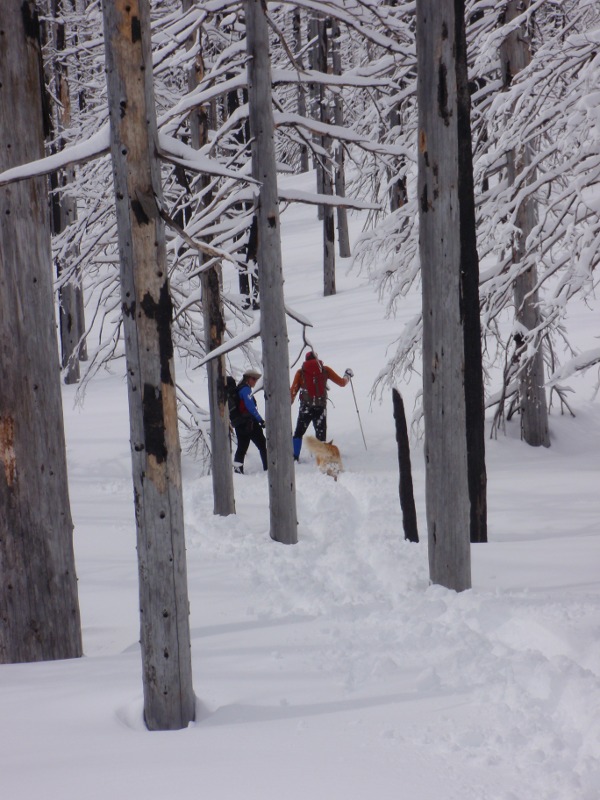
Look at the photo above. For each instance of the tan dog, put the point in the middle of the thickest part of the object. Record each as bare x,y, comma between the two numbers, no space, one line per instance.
327,456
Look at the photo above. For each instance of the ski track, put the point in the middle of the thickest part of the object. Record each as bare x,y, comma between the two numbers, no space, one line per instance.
369,615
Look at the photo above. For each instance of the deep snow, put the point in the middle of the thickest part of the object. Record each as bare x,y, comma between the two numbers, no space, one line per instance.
331,669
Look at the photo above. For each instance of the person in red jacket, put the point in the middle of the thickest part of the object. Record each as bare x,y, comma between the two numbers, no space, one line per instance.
311,381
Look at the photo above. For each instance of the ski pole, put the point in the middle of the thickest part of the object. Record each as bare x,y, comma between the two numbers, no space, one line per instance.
358,413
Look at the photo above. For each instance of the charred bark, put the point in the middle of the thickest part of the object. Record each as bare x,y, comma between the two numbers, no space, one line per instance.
407,497
147,312
452,370
39,609
273,331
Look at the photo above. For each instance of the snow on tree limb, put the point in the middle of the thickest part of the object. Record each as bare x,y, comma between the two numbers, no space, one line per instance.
312,198
581,363
96,146
176,151
341,134
251,332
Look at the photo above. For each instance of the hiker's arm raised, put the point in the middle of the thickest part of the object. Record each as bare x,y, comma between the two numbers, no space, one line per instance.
333,376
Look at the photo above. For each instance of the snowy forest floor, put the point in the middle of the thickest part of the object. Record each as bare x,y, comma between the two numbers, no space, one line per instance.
332,670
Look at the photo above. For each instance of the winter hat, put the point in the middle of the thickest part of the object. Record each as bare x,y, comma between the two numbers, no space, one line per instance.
252,373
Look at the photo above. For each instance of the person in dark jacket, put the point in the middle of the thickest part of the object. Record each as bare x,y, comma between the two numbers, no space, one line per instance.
311,381
248,423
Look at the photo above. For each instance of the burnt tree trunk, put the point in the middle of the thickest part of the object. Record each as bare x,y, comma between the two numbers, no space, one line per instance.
64,211
39,609
398,193
273,327
340,167
297,31
315,55
214,328
452,370
515,55
407,497
327,167
147,312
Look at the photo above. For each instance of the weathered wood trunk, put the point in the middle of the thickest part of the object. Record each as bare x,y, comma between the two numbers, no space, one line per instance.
515,55
214,328
282,479
70,292
297,31
340,167
328,227
398,192
407,497
64,210
452,373
327,213
39,610
147,312
316,62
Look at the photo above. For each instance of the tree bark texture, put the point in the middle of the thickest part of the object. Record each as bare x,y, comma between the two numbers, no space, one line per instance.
39,609
282,479
147,312
407,497
515,55
452,372
214,326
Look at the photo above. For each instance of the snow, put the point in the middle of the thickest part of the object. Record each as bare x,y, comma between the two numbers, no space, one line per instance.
331,669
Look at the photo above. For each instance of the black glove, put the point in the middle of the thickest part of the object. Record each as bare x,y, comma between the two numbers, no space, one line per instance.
348,374
262,423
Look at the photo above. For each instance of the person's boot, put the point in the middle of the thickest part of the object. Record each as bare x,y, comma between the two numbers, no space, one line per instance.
297,443
239,468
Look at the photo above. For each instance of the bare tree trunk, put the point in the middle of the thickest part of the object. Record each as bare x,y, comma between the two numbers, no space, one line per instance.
515,54
282,480
340,170
297,29
64,205
327,212
63,211
214,328
39,609
398,192
147,312
328,228
315,93
229,104
452,372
